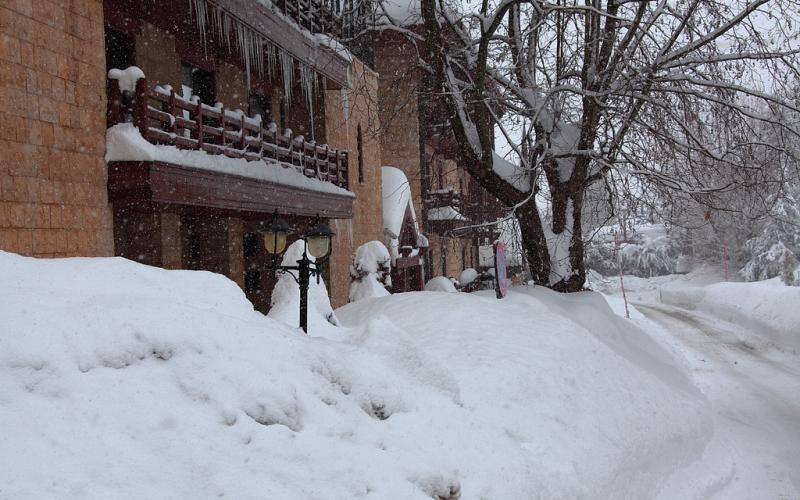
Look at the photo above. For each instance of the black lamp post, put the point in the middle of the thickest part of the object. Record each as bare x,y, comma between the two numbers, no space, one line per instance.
316,242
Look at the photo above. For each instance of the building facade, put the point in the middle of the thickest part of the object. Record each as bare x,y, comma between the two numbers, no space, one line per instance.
239,110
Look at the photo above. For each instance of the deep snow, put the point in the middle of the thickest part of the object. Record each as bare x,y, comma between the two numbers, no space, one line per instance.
126,381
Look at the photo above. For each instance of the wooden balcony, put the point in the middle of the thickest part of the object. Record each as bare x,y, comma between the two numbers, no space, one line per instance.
163,117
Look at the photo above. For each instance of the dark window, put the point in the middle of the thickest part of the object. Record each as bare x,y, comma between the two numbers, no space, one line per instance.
259,104
360,145
194,247
252,281
250,244
199,82
119,49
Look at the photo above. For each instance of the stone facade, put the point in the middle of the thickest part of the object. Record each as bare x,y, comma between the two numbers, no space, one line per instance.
346,114
53,199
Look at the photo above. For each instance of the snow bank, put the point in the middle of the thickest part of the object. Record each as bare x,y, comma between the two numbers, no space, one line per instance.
766,307
581,404
135,382
125,143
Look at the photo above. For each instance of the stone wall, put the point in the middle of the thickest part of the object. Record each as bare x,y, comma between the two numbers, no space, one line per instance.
53,199
345,113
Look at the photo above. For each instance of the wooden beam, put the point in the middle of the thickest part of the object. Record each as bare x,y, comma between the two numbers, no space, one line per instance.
132,184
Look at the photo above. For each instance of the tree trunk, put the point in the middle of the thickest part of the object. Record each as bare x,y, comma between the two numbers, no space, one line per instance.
534,243
569,270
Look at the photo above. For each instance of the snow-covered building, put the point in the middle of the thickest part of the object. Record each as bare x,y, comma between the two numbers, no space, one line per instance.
169,132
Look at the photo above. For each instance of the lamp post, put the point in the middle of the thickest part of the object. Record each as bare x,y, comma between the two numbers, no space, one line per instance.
316,242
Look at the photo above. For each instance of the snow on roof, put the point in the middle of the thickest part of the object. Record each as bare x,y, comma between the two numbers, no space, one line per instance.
445,213
125,143
396,197
511,173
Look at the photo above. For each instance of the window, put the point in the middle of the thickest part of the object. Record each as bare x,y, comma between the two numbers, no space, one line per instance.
360,146
260,104
199,82
250,244
119,49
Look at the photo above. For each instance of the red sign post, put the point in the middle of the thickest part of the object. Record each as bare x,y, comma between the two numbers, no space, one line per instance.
501,280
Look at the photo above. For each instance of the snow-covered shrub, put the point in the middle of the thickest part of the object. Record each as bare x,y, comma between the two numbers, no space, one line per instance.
440,284
777,245
286,294
647,252
467,276
371,271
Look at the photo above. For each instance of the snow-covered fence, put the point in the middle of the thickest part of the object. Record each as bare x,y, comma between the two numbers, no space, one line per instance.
164,117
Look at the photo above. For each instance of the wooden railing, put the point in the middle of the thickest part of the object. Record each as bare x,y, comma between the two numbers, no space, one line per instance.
164,117
444,198
317,16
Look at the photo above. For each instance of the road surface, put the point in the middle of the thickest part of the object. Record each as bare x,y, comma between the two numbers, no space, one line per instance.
754,390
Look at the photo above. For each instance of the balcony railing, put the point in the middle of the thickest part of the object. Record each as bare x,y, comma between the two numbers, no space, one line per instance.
317,16
440,198
164,117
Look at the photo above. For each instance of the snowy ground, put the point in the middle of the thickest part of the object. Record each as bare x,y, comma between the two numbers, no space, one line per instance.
740,341
125,381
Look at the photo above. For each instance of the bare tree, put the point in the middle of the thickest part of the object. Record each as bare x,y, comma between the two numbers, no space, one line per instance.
664,90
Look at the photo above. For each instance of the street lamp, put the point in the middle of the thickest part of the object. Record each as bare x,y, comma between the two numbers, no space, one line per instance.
316,242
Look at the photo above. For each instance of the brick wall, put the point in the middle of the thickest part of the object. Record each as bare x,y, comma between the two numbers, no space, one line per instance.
395,62
53,199
367,222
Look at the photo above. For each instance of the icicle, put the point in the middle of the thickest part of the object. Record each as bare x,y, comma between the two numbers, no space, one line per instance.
271,60
243,37
287,73
201,17
308,80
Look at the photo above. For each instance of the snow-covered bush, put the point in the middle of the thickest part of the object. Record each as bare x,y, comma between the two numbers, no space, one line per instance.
440,284
286,294
467,276
371,271
647,252
777,246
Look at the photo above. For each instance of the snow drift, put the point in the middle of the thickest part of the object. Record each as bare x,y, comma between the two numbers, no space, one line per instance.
768,307
126,381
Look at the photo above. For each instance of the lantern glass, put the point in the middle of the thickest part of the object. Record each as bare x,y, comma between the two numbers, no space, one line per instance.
275,241
318,245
